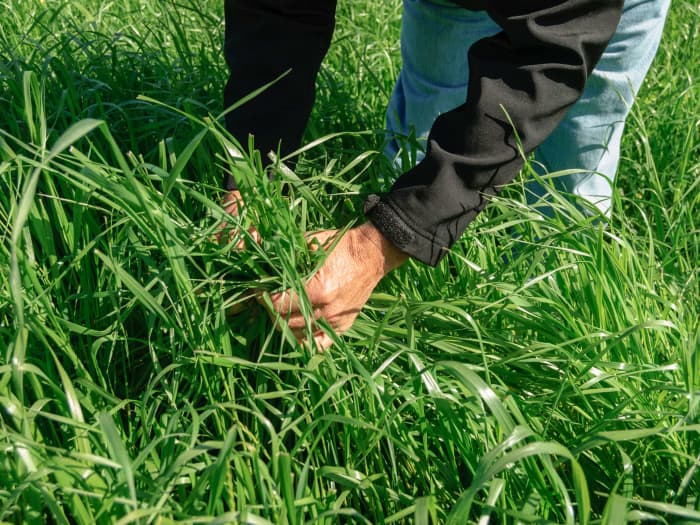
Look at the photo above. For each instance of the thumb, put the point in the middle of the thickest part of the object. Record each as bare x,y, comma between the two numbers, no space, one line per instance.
321,239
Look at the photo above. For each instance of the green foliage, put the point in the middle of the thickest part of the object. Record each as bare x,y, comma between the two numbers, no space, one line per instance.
547,371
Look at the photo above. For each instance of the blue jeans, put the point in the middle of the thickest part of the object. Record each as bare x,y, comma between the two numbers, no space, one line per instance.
435,38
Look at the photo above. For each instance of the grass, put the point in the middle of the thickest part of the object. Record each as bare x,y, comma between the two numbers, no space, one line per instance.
547,370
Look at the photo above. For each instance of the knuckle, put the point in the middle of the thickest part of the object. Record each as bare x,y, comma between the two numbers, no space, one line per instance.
323,295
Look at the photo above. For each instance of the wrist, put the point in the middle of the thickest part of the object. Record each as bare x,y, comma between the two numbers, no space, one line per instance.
387,256
232,201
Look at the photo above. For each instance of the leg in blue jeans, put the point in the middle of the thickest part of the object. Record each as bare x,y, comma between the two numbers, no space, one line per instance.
435,38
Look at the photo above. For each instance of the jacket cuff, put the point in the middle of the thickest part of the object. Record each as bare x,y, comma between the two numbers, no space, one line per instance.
229,182
397,229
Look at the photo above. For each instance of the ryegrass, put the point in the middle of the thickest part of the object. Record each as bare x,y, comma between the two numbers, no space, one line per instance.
547,371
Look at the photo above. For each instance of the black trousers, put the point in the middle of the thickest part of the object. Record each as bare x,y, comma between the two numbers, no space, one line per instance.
264,40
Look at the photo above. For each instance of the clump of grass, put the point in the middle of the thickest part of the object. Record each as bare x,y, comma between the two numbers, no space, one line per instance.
547,370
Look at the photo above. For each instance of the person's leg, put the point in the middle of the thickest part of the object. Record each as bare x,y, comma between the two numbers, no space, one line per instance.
589,136
263,40
435,38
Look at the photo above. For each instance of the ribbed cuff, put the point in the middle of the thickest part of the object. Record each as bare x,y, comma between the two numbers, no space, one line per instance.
388,220
229,182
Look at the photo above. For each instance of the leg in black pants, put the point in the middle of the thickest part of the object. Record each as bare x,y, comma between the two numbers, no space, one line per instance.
263,40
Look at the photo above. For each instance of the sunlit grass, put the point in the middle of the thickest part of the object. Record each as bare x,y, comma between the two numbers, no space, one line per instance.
546,371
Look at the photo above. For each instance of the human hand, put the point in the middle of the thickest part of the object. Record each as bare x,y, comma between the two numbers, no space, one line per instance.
340,288
233,203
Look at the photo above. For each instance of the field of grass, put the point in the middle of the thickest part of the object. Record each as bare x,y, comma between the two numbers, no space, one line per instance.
548,371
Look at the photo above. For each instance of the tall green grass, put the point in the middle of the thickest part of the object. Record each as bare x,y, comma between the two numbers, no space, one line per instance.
547,371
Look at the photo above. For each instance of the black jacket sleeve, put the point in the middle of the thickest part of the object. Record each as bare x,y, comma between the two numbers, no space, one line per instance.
522,81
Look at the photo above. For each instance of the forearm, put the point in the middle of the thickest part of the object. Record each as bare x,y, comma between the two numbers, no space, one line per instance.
522,81
385,255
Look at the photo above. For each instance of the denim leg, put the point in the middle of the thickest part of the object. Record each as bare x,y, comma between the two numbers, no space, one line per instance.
589,136
435,37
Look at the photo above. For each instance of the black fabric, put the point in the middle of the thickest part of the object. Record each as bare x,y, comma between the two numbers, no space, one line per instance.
264,39
522,81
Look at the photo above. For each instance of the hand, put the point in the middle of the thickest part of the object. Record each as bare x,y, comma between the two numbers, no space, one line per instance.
341,287
233,202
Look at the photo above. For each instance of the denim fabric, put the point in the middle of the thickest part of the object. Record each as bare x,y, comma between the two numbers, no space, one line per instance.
435,38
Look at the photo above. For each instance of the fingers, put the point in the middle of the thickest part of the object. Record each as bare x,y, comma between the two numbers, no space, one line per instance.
226,234
232,203
323,341
255,234
288,302
287,305
232,200
284,307
321,239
